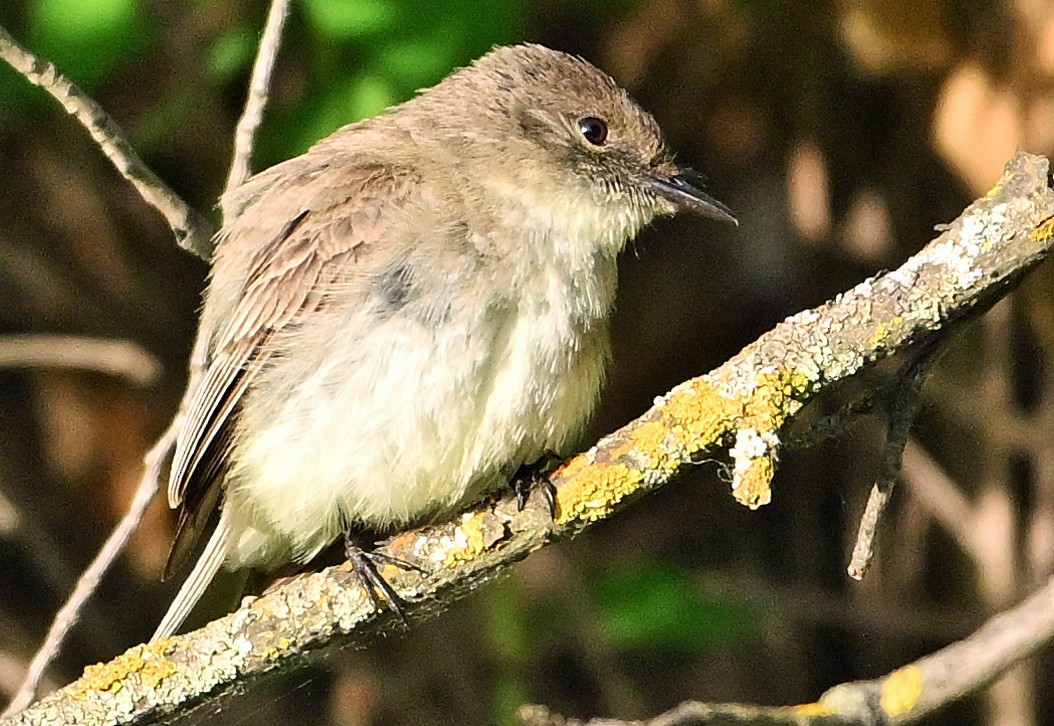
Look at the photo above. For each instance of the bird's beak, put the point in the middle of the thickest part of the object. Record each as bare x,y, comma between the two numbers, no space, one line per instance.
686,197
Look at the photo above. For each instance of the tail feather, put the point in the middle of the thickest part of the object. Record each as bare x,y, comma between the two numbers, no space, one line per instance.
200,577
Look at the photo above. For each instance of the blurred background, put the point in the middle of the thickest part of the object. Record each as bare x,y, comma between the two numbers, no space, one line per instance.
840,132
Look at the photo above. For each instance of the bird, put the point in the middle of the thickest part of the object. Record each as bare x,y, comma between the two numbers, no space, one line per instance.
417,306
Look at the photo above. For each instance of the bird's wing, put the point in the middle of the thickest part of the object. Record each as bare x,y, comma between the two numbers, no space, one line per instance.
330,215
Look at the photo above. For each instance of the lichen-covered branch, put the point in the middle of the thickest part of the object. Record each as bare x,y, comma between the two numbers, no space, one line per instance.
746,401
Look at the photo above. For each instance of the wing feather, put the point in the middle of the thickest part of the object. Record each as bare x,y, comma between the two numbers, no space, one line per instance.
321,236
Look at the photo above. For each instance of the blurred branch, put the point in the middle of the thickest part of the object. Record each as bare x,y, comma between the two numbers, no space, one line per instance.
748,399
259,88
694,713
903,696
940,497
913,691
192,231
116,357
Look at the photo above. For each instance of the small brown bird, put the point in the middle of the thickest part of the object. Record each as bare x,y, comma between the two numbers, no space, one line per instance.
402,316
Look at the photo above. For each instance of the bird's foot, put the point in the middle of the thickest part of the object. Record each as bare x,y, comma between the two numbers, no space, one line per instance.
364,565
531,477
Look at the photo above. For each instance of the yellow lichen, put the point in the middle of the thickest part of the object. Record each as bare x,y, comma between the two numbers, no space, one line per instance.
469,541
755,488
901,690
879,335
701,415
646,440
1042,231
156,670
695,416
594,490
764,409
145,660
811,710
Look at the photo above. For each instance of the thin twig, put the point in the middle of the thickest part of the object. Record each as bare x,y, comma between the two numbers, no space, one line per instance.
68,616
192,232
903,405
116,357
693,713
259,88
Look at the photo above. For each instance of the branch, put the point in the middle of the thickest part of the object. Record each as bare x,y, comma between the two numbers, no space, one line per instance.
259,87
903,696
115,357
913,691
749,399
694,713
903,404
192,232
89,580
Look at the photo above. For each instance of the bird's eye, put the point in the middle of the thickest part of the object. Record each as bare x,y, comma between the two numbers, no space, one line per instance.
593,129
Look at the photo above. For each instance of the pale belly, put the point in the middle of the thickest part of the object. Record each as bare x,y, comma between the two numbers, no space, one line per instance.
408,421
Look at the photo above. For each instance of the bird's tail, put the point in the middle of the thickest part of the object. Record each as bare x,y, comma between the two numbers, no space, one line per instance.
199,578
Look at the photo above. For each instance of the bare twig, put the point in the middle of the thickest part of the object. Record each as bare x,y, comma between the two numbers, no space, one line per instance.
259,87
694,713
903,403
116,357
192,232
89,580
909,693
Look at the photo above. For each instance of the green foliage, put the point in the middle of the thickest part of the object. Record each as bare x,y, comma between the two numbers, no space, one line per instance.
366,55
344,20
506,631
652,606
231,53
343,59
86,38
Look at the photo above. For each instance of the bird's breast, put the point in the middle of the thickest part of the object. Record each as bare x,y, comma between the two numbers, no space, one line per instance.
387,412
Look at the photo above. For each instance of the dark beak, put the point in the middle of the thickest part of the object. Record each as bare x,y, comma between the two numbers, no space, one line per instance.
686,197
